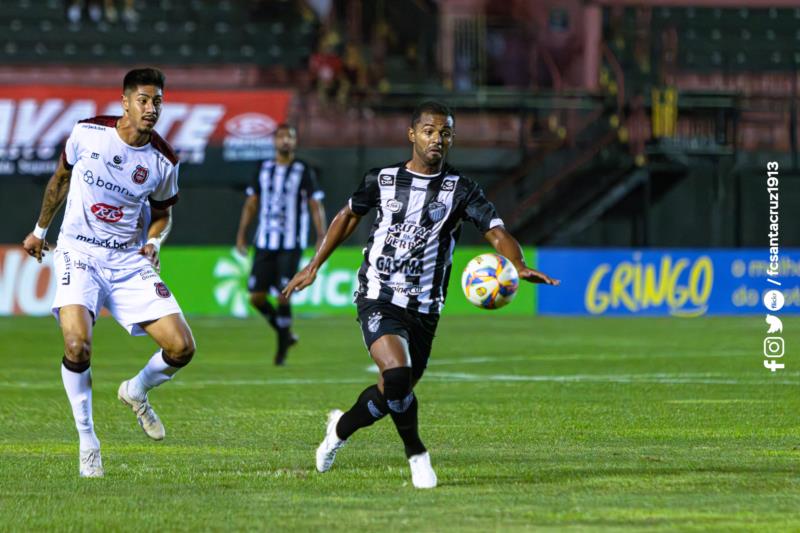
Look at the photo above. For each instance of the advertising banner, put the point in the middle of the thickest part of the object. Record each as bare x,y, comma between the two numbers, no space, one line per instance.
203,126
212,281
669,282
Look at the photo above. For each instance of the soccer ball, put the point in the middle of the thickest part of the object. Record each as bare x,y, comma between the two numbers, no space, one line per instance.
490,281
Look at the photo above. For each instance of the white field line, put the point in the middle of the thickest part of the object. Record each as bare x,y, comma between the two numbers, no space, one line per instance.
633,379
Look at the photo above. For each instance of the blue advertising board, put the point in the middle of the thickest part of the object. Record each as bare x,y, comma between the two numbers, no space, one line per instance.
670,282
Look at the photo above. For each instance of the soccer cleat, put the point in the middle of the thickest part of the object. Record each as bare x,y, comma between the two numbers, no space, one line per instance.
326,452
90,463
422,474
286,339
147,418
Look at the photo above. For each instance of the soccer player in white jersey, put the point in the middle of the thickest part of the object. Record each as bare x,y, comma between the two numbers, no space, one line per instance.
421,204
114,169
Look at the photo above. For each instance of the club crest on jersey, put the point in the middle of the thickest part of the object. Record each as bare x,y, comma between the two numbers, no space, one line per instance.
107,213
374,321
394,205
139,175
386,179
436,211
161,289
449,185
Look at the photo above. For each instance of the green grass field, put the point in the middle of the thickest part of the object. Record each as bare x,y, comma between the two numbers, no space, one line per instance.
532,423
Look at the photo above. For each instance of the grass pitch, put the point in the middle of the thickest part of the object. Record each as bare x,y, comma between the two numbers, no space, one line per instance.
532,423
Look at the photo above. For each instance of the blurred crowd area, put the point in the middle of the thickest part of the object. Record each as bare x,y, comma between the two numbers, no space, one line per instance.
587,121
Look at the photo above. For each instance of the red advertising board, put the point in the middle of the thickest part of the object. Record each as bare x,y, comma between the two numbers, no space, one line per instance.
26,287
225,125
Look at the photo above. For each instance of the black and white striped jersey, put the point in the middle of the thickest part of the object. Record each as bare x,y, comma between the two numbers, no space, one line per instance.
283,193
409,253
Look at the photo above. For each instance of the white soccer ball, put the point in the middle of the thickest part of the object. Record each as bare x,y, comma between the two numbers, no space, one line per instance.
490,281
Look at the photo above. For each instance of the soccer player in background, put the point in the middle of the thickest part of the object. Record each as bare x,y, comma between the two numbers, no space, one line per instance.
111,168
420,206
284,195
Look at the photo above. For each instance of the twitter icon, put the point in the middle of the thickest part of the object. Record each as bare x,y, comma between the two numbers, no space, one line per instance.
775,324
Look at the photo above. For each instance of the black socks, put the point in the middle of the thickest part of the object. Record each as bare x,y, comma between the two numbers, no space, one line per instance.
268,311
398,400
403,407
368,409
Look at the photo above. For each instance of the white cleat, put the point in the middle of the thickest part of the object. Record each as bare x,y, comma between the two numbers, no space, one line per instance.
422,474
147,418
326,452
90,463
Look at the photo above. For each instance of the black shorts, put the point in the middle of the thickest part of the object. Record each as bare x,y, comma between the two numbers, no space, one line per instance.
379,318
272,269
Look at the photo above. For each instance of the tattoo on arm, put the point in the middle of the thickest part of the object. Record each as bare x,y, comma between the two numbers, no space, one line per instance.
54,196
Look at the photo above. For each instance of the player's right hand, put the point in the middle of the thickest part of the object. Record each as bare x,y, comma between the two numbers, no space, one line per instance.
300,281
35,246
241,246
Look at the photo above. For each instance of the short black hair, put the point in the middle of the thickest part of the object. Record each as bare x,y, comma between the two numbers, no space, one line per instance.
433,107
285,126
143,76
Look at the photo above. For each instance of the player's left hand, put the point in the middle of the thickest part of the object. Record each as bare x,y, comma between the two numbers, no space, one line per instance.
534,276
300,281
151,253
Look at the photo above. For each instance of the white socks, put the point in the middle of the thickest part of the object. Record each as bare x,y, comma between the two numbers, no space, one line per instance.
154,373
79,392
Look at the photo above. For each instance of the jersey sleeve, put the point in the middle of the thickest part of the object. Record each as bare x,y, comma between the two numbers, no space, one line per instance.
166,194
480,211
310,184
69,156
366,196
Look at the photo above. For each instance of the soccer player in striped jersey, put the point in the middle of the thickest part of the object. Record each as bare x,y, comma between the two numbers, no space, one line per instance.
285,197
420,206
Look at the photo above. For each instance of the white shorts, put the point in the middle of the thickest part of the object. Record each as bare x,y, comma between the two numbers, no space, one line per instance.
132,295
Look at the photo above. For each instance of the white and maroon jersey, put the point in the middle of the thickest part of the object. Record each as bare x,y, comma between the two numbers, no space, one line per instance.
109,190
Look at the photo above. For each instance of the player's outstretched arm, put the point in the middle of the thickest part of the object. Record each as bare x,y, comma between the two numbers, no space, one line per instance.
54,195
342,226
318,216
507,246
160,226
248,212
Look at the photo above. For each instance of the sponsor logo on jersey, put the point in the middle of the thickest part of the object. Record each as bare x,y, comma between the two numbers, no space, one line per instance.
449,185
148,273
374,321
390,265
436,211
139,175
420,189
405,236
405,288
88,177
386,179
95,155
161,289
117,160
107,213
108,243
394,205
